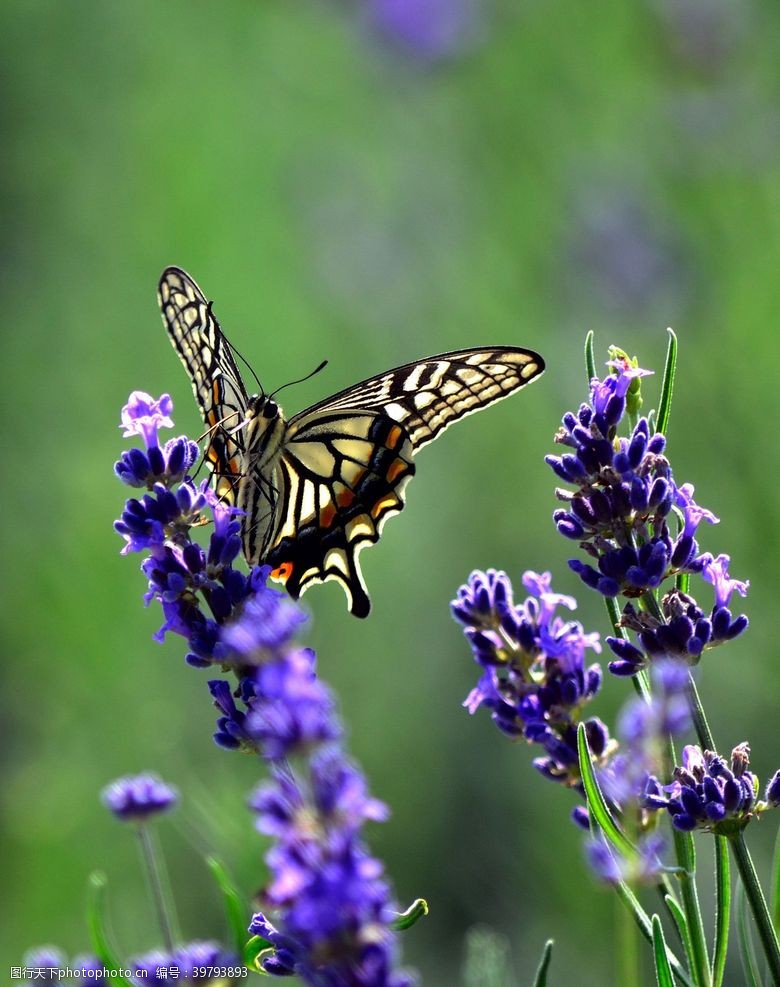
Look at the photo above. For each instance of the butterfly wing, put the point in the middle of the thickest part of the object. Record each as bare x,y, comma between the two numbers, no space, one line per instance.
345,462
208,360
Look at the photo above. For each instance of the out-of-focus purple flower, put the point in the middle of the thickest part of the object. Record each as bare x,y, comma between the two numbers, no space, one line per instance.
430,30
643,731
704,33
138,797
334,907
90,972
613,867
535,680
44,964
185,964
772,795
623,252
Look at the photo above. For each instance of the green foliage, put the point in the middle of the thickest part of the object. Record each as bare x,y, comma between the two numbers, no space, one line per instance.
338,199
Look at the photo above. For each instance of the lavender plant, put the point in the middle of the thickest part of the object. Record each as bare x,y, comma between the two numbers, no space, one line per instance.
636,528
329,916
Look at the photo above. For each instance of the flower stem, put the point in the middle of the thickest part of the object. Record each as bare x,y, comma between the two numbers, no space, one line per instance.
154,874
700,724
758,903
686,857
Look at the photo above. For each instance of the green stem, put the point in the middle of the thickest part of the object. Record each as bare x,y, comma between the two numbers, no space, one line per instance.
686,857
700,724
628,950
153,866
758,905
722,909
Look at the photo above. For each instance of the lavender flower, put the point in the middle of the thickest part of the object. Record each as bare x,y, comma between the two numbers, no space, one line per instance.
139,797
333,908
613,867
621,514
710,794
427,29
183,964
44,963
535,679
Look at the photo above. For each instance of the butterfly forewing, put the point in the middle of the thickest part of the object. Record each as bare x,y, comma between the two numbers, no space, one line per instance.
216,381
427,396
317,489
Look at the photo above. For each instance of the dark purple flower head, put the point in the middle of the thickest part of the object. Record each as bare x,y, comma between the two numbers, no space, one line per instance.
535,679
625,493
138,797
710,794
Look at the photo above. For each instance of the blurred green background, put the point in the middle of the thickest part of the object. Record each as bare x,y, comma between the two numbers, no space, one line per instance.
369,182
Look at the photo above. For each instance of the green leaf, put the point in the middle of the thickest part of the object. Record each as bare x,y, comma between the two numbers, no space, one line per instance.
775,893
540,980
681,923
590,362
667,385
596,802
405,920
722,909
97,927
235,910
663,972
747,951
253,953
642,920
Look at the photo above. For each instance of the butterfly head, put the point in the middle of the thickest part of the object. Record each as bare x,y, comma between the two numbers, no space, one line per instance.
262,406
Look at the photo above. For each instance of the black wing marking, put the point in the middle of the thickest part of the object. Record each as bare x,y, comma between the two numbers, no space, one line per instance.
216,381
427,396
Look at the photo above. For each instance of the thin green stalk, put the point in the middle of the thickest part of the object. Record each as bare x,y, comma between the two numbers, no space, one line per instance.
758,905
686,858
628,969
700,724
162,904
722,909
590,360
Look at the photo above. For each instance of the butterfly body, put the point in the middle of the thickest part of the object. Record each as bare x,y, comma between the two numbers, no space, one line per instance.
317,488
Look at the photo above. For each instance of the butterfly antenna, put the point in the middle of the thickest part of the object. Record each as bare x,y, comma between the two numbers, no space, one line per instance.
301,380
246,362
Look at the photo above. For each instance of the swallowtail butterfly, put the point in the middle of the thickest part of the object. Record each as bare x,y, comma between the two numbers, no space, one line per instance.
318,487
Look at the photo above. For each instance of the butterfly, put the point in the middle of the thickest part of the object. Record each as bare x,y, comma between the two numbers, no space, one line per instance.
317,488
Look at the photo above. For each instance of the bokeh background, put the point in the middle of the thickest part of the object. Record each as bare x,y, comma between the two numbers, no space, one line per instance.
368,182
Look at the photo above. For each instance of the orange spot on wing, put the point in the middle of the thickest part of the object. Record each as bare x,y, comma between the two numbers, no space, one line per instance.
327,514
396,468
282,572
384,504
393,436
345,498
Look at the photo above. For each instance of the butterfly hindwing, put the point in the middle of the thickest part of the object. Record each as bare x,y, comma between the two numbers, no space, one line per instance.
341,477
216,381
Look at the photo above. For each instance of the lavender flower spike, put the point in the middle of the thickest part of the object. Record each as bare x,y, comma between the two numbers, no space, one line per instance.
139,797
